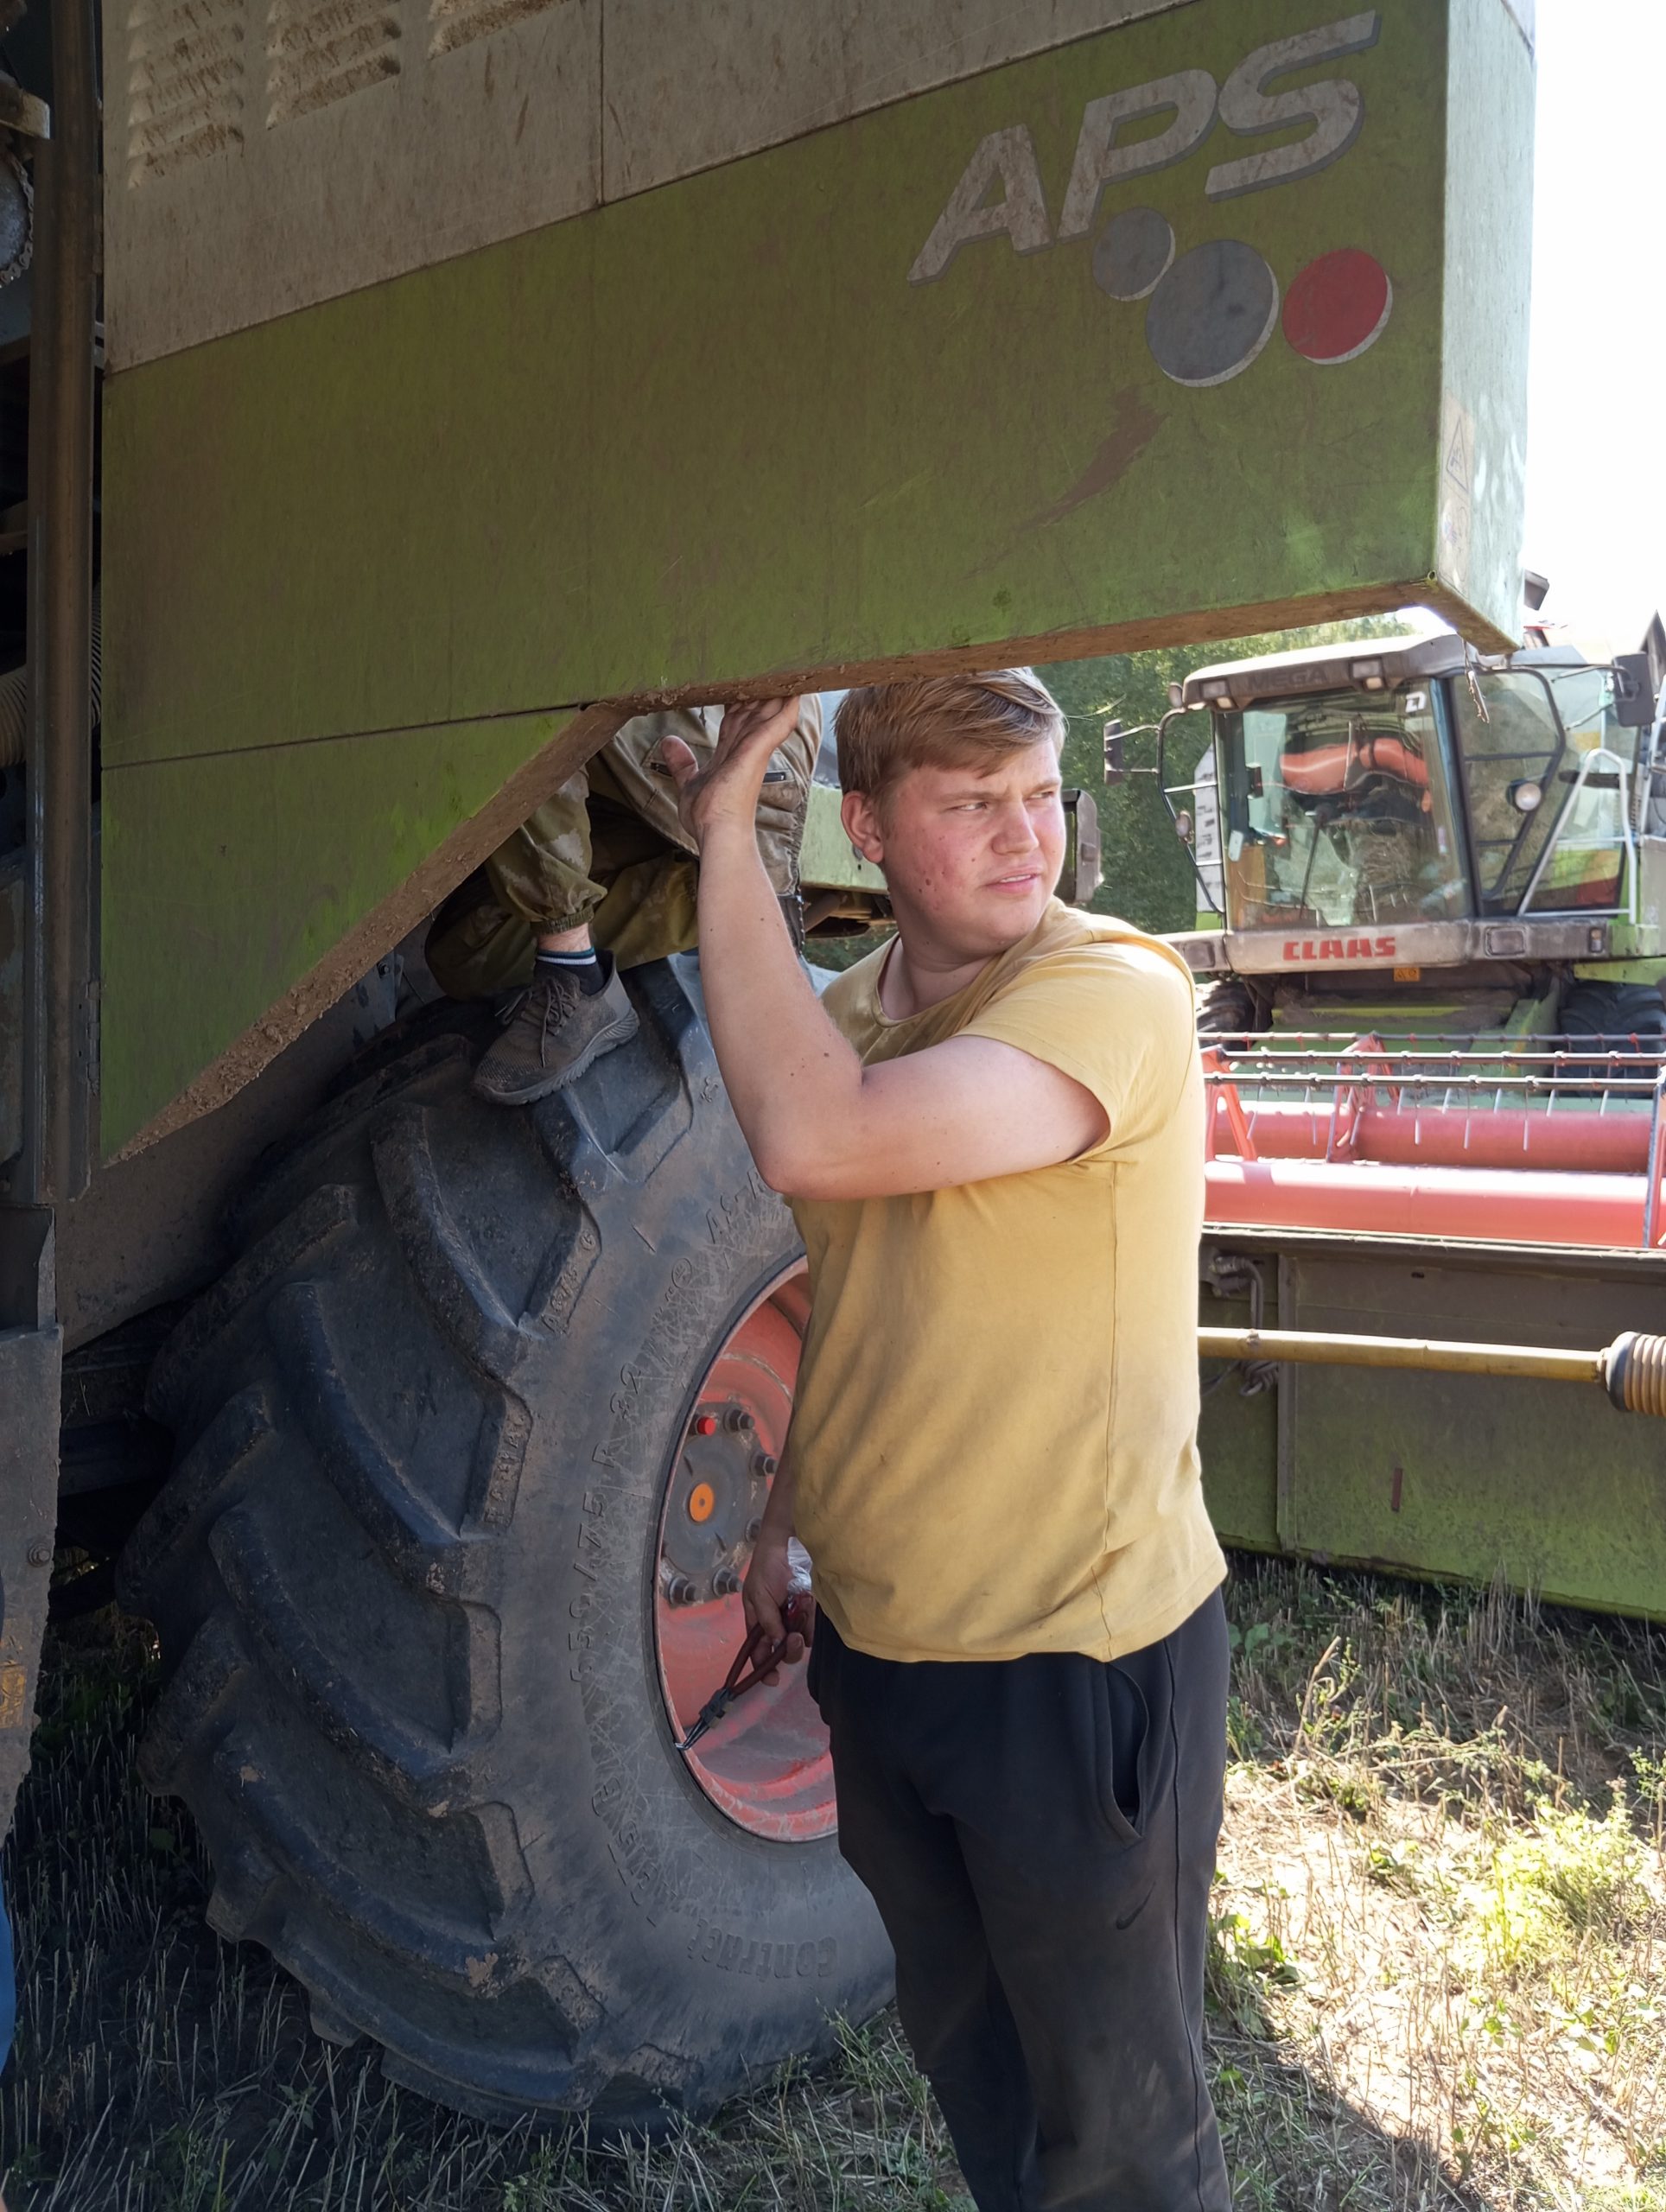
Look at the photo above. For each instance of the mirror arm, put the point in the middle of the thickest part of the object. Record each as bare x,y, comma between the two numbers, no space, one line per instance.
1174,715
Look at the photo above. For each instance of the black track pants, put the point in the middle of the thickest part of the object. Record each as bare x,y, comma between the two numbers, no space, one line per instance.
1040,1834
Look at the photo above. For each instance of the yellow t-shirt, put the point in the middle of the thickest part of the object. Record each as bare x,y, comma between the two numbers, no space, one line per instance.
994,1431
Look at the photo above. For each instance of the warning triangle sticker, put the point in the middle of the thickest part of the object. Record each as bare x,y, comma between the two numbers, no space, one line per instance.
1458,468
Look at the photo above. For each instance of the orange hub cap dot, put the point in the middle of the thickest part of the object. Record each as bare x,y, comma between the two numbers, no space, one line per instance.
701,1502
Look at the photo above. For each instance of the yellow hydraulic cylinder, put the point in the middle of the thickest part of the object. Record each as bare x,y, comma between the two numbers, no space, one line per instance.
1631,1370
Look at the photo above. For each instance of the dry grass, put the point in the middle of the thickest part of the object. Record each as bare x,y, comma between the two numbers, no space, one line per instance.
1443,1886
1432,1982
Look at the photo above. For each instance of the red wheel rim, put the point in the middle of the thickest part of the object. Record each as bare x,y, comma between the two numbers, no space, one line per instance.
765,1764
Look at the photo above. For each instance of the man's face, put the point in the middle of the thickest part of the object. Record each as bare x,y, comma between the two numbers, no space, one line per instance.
970,859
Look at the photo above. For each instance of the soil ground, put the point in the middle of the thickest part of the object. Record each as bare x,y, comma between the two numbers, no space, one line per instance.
1433,1977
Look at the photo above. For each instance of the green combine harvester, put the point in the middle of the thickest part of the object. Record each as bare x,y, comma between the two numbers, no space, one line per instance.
400,399
1436,1046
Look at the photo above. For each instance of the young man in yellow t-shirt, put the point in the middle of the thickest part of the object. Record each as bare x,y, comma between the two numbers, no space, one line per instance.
991,1136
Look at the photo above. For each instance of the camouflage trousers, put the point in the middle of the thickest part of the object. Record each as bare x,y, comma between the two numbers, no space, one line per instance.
607,849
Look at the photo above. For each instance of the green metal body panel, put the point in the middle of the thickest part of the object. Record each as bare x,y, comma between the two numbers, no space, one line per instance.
714,433
251,866
1237,1438
1543,1485
1640,970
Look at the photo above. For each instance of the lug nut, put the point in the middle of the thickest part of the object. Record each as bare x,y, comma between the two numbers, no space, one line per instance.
40,1554
726,1582
738,1420
763,1463
755,1530
679,1591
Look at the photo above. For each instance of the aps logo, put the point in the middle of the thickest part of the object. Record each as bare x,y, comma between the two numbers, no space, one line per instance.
1211,311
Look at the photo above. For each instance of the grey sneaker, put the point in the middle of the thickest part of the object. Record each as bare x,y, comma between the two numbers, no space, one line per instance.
552,1033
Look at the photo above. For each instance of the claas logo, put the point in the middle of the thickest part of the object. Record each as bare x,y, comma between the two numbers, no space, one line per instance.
1211,310
1380,950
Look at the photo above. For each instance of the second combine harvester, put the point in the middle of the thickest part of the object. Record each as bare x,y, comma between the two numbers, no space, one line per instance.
1435,1044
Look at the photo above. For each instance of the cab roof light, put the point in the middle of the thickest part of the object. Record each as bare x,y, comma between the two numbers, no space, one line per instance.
1368,674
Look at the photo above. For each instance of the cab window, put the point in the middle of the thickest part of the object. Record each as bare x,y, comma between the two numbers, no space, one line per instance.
1522,773
1338,812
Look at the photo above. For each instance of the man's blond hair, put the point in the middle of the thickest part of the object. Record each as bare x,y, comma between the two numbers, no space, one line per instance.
942,721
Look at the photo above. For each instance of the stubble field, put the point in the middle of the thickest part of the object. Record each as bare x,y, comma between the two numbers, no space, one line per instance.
1433,1973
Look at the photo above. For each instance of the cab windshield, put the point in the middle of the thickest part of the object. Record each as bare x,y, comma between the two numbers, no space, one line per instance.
1337,812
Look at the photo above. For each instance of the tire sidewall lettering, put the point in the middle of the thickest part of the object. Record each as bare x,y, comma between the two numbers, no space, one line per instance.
704,1895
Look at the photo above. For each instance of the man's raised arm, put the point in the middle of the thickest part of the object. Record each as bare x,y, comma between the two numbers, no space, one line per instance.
818,1124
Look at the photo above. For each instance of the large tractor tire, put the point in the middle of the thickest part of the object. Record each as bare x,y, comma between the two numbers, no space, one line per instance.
1625,1020
1227,1008
471,1443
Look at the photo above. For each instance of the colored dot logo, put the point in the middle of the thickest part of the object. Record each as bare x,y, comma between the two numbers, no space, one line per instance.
1338,307
1211,312
1134,254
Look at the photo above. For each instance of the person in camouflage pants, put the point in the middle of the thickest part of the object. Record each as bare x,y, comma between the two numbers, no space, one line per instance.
599,878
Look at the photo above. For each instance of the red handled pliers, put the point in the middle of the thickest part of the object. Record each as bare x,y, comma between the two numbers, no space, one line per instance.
795,1616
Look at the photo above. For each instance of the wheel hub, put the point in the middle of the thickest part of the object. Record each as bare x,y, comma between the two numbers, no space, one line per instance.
716,1499
765,1764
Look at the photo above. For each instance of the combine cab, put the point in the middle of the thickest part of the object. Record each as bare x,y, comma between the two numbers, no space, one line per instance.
1435,1041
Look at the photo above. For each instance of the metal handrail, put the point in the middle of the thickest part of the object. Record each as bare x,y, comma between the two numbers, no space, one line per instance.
1429,1067
1423,1091
1175,713
1568,1045
1564,1072
1579,1070
1338,1085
